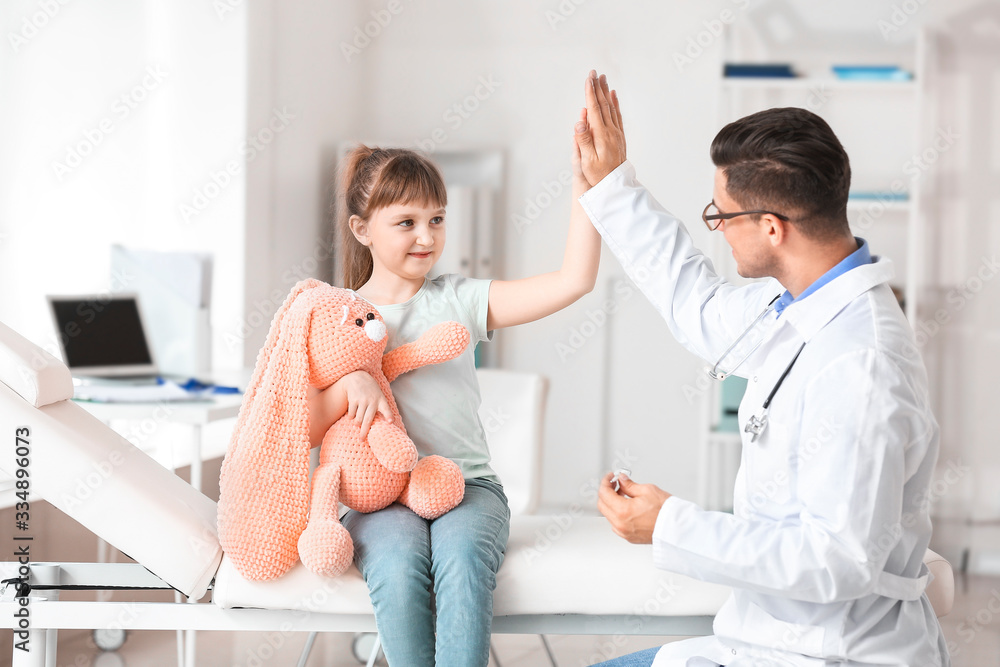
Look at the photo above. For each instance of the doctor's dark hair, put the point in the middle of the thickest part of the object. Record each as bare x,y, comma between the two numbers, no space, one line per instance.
372,178
787,160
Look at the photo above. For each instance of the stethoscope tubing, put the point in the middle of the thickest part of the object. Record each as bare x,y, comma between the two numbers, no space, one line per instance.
756,424
713,371
774,390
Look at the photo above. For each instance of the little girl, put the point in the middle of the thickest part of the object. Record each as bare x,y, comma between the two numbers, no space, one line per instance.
393,231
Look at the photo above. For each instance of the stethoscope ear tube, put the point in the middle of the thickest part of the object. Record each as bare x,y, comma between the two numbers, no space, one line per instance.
714,371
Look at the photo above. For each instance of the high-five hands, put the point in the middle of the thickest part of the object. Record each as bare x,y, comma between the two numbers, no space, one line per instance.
580,182
633,509
601,139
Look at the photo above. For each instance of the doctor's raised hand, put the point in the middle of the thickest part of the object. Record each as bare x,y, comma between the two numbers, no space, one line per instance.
633,509
602,143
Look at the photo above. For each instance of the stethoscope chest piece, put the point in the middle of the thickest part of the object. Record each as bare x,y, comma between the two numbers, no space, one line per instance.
756,425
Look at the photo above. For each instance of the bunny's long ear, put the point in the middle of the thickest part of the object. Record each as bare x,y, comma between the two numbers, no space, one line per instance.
264,484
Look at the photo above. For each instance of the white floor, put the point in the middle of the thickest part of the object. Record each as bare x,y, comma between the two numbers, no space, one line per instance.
250,649
973,629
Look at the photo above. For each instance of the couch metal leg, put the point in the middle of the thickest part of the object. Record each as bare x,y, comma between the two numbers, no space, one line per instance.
307,649
180,633
496,658
375,651
548,650
190,648
35,656
51,637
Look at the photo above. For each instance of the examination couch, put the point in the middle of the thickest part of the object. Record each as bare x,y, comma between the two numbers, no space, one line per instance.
563,574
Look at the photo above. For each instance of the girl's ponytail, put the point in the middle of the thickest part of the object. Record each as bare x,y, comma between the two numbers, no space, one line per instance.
355,259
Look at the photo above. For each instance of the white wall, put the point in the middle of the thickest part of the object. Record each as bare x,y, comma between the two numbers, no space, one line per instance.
139,102
295,70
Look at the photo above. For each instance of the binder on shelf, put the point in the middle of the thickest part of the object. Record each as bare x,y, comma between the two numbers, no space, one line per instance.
871,73
759,70
878,195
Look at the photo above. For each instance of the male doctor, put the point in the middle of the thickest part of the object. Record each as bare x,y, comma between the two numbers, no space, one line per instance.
824,550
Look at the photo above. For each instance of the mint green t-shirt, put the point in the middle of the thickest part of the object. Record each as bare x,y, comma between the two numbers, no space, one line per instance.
439,404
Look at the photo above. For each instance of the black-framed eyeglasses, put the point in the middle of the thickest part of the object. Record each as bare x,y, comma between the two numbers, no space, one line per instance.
717,217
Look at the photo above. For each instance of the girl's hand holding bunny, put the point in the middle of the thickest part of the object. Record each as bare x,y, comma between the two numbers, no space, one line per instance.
356,395
364,399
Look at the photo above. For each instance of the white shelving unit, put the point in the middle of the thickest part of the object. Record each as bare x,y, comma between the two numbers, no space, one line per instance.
874,169
884,126
816,83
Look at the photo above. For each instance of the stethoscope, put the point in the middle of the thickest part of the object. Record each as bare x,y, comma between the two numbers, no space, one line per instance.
757,423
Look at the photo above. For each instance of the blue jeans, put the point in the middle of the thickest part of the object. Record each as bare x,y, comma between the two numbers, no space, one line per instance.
407,561
637,659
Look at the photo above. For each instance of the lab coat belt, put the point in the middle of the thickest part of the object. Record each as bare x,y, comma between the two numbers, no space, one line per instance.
902,588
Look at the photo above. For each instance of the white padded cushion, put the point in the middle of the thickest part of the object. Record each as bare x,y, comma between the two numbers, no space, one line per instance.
554,564
116,490
513,416
298,588
577,565
941,589
34,374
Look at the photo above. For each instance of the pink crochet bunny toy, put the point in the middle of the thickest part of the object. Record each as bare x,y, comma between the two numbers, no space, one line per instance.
267,516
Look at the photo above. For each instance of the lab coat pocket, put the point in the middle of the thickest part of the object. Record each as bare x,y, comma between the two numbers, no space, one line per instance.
768,631
768,486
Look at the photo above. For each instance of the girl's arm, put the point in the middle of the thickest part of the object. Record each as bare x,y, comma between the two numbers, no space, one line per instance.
356,395
326,406
513,302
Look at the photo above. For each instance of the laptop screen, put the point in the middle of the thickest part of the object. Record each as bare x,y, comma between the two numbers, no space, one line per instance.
103,331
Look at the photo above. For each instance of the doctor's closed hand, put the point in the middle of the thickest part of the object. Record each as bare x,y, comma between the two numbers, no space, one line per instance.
602,142
632,511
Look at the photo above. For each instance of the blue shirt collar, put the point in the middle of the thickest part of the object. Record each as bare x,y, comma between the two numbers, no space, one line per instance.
857,258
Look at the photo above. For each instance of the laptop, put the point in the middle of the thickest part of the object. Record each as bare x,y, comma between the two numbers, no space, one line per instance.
103,337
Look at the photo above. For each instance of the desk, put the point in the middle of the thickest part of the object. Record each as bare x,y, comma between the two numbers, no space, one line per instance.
195,413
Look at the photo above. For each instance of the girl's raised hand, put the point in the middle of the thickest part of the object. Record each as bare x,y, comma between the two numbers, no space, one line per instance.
364,399
580,183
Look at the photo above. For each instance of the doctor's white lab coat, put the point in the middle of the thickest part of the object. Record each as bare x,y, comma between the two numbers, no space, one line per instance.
825,547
